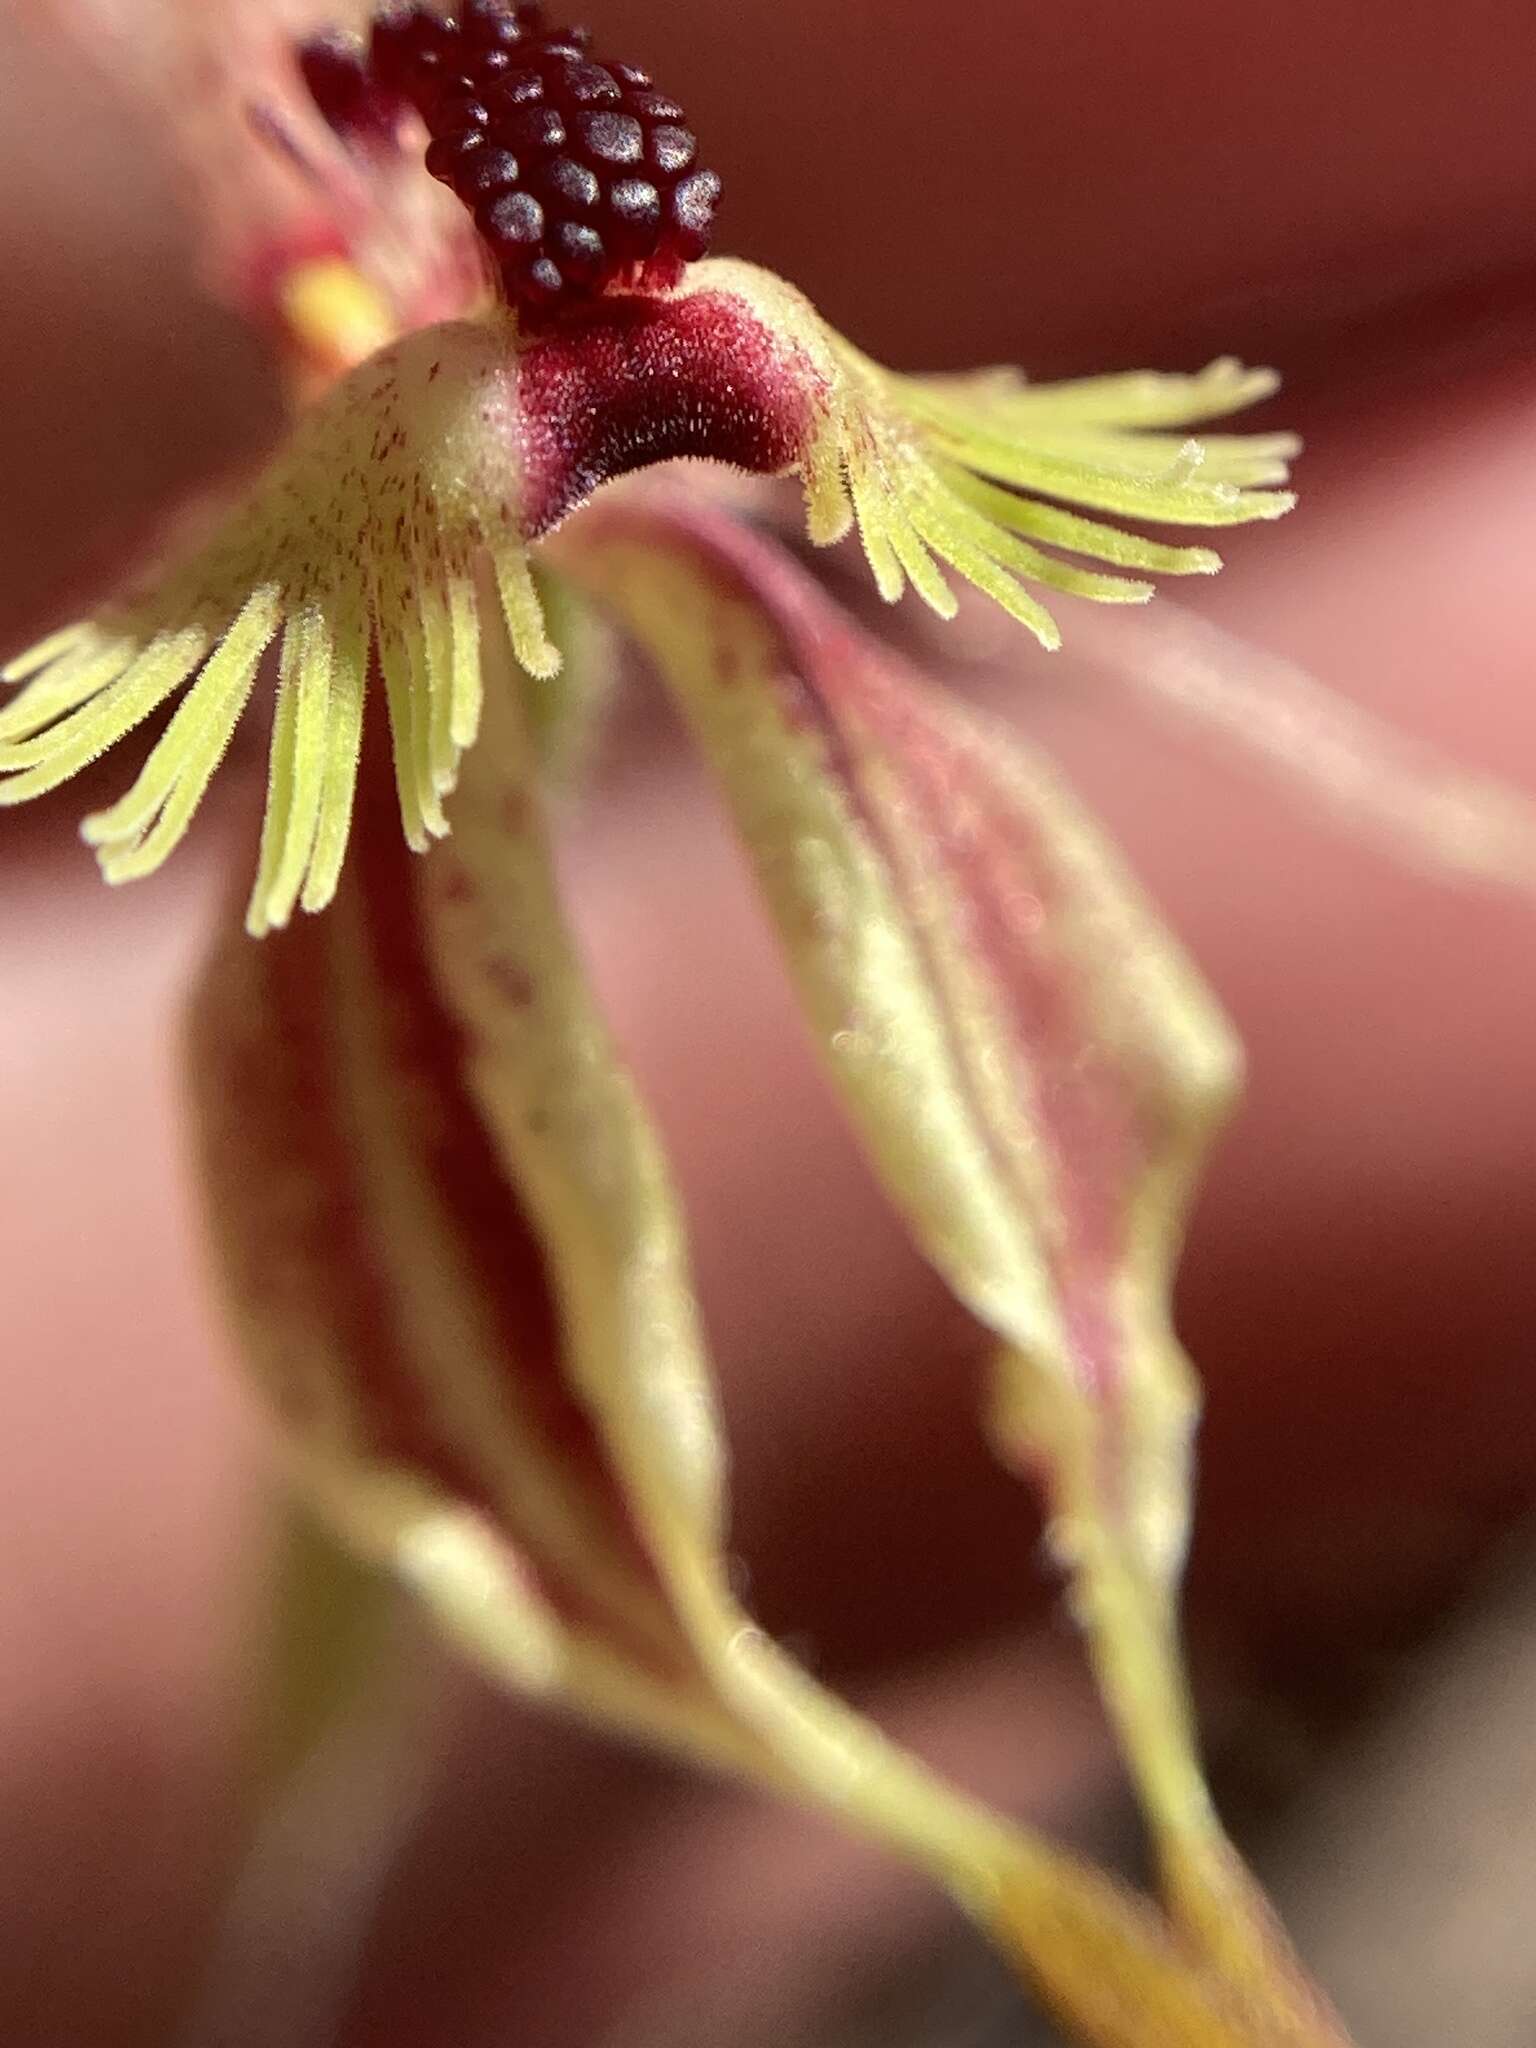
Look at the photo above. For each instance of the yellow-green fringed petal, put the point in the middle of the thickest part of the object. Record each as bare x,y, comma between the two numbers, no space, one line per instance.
945,470
360,542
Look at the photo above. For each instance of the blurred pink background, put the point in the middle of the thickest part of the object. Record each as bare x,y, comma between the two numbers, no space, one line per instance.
1350,192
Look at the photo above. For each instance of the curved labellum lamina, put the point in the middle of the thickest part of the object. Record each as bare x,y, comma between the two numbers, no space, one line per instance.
411,494
411,491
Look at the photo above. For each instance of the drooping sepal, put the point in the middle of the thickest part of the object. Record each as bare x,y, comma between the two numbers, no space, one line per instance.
1034,1067
1035,1072
458,1269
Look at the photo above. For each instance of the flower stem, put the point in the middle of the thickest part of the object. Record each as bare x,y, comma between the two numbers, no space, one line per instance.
1212,1901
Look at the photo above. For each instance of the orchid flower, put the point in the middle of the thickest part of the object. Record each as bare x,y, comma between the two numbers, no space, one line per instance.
444,1222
